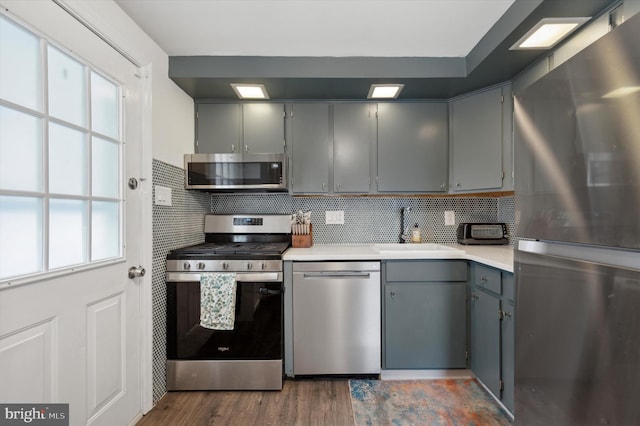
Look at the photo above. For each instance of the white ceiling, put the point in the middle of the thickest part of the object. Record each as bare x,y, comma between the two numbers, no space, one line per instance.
338,28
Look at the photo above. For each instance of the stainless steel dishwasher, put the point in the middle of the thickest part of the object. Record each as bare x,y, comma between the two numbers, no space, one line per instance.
336,318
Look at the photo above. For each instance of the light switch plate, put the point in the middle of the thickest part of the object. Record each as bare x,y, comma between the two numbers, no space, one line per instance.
334,217
449,217
163,196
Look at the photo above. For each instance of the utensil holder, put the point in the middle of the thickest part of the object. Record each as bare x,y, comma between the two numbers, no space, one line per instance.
303,240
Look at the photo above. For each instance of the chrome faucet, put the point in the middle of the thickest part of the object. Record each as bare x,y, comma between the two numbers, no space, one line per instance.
405,235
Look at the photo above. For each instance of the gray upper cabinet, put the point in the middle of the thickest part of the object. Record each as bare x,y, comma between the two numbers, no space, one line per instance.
310,148
237,128
476,141
218,128
412,147
263,128
352,142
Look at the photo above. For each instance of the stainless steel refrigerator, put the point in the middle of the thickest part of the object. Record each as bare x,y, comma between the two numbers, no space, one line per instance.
577,264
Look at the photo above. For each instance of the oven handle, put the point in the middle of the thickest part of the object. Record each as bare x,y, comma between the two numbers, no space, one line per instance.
254,277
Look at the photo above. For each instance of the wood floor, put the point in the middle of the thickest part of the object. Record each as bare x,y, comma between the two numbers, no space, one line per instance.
301,402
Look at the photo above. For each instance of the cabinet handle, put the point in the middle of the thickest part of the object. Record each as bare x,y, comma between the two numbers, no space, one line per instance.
506,314
442,186
392,294
474,296
233,148
338,187
483,279
457,185
246,148
324,186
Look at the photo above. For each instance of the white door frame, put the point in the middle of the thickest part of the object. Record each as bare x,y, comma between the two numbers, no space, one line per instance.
145,187
146,232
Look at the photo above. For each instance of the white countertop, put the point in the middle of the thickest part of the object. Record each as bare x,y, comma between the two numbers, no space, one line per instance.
500,257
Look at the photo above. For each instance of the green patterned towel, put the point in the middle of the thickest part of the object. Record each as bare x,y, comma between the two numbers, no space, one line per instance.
217,301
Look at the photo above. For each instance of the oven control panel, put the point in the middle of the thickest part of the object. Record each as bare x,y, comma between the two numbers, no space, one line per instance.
224,265
248,221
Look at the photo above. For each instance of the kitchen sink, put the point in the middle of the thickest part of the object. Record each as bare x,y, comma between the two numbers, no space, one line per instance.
412,247
418,251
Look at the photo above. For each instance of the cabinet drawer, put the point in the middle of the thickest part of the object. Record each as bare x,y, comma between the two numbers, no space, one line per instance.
426,270
508,286
486,277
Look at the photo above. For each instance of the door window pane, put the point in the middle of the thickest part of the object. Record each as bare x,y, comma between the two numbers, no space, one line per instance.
68,161
105,230
20,151
20,66
67,88
67,232
20,236
105,171
104,106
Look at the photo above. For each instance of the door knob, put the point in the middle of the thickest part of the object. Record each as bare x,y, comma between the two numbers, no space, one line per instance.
136,271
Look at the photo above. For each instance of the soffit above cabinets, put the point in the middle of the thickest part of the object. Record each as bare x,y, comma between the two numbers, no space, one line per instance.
330,49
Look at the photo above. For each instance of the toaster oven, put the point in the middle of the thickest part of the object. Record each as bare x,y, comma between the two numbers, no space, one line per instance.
482,233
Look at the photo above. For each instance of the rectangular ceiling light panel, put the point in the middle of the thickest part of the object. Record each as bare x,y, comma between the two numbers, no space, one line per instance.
548,32
384,91
250,91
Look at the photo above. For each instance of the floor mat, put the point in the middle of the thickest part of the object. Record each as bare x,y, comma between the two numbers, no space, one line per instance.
423,402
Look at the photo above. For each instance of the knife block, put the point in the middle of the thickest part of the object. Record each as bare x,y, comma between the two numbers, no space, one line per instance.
303,240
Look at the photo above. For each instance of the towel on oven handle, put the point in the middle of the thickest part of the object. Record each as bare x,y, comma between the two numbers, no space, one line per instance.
217,300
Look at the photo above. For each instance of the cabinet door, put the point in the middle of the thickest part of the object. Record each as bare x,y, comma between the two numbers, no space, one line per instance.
476,137
412,147
508,353
351,147
218,128
310,148
425,325
485,338
263,128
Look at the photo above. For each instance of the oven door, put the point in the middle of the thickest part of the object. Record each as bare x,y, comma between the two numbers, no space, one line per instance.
257,332
231,172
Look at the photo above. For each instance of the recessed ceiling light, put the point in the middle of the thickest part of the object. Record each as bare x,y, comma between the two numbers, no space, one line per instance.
622,91
548,32
250,91
384,91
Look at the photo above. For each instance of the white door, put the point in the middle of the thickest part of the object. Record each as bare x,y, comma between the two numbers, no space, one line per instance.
75,336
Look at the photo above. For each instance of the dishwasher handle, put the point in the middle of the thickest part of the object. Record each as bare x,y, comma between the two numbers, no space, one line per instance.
337,275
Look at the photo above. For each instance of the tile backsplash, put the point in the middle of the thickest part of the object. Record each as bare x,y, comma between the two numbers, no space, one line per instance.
366,220
372,219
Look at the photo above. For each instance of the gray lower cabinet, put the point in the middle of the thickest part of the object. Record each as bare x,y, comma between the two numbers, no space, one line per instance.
485,338
239,128
508,340
492,315
310,148
481,141
424,319
412,147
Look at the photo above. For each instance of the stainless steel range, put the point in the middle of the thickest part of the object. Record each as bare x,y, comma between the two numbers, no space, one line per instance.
249,356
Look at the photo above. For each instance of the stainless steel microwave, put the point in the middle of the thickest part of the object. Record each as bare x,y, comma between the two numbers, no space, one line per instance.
236,172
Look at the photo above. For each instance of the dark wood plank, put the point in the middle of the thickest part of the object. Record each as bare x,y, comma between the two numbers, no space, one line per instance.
301,402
